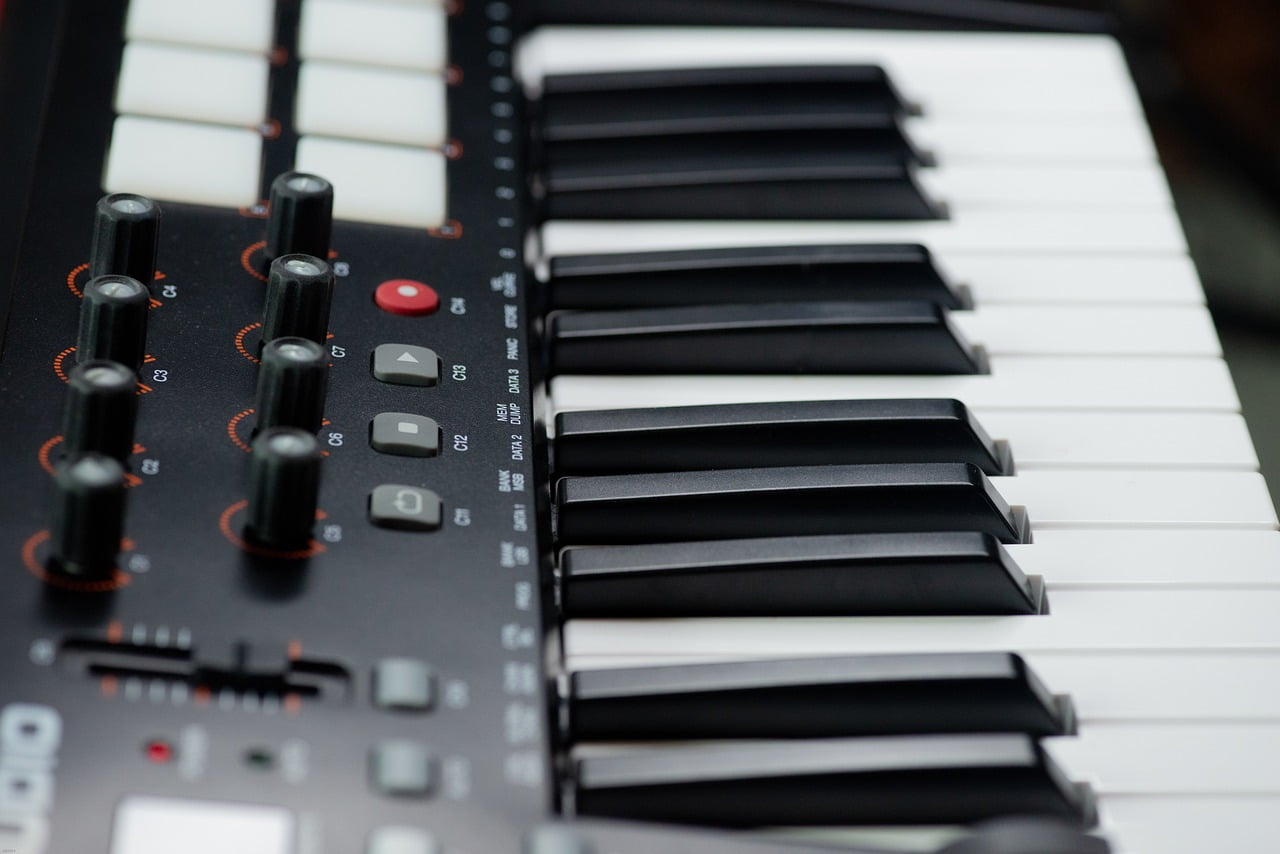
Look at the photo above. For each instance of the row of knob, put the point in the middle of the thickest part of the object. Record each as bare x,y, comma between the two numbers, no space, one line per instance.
101,405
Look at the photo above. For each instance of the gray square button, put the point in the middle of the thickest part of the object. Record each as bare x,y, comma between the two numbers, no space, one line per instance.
403,683
405,434
406,364
408,508
403,768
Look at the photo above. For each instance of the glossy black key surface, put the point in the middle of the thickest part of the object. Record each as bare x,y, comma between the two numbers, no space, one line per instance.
867,185
621,103
954,573
776,502
829,140
755,435
768,338
884,780
749,274
816,698
588,836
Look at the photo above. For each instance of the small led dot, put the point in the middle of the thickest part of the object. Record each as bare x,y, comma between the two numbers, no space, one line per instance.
159,751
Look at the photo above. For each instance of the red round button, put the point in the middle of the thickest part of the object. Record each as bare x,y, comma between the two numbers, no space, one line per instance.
405,296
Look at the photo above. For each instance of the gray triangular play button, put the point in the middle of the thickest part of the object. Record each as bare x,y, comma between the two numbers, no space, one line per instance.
407,357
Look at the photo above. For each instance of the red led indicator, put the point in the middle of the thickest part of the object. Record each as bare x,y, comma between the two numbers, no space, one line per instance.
407,297
160,752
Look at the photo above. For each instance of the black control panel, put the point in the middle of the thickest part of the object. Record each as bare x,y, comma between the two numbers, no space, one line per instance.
179,627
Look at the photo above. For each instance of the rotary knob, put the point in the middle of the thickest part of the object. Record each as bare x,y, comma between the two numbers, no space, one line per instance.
291,384
113,321
88,517
301,216
299,294
126,231
101,410
284,488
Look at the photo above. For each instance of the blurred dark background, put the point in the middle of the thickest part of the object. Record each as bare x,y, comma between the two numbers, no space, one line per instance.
1209,74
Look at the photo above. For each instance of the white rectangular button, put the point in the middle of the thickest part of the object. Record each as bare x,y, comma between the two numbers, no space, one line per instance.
184,162
1015,383
224,87
148,825
402,33
386,184
247,25
377,104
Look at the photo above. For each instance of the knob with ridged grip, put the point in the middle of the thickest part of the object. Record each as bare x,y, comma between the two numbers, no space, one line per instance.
113,321
126,232
291,384
88,517
300,218
101,410
284,488
299,294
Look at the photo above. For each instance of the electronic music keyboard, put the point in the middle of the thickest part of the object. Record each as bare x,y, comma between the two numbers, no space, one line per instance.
425,433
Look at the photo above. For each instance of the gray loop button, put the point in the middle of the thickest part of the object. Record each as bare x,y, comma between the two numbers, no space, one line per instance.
405,434
407,508
406,364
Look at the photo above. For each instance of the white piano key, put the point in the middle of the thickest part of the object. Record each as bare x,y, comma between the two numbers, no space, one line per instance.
1064,279
1063,330
1062,440
184,162
1134,499
1112,619
409,34
1015,383
386,184
957,139
1164,686
949,74
1152,558
246,25
968,187
987,232
182,82
1173,758
1152,824
377,104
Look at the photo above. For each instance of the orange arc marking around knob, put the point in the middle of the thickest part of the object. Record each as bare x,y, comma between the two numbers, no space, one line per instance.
224,525
232,426
243,350
247,254
45,456
158,276
35,568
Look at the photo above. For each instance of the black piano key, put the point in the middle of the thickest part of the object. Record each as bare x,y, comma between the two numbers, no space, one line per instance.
782,502
826,140
768,338
756,435
749,274
886,780
685,100
868,185
816,698
953,573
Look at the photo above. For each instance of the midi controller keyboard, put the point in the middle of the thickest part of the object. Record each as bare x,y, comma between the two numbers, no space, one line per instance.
434,429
